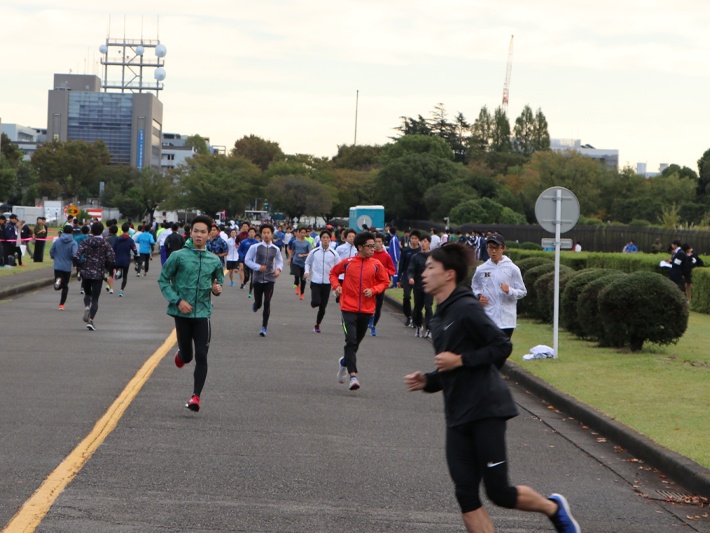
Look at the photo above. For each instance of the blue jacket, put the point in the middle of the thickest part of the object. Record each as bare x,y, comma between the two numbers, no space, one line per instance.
124,247
144,242
62,251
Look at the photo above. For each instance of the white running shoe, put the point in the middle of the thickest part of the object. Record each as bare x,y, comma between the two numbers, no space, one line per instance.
354,383
342,371
418,332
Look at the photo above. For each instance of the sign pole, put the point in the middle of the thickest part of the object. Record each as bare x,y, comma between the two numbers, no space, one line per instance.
556,308
557,211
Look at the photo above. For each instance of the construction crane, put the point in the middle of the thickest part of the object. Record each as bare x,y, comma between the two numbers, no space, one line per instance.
508,70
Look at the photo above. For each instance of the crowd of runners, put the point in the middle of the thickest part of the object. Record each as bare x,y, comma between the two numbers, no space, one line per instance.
471,330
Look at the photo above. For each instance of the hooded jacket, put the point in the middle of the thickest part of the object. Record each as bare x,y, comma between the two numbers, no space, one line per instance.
360,274
502,307
94,256
124,247
188,275
475,390
62,251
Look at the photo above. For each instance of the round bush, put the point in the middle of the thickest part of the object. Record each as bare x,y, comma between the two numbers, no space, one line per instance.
545,292
531,262
640,307
528,305
570,296
590,325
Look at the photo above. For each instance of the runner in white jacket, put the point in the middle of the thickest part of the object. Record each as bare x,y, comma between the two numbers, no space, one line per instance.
498,285
318,264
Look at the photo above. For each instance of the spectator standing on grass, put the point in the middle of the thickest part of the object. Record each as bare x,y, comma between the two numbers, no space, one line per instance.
469,350
678,264
498,285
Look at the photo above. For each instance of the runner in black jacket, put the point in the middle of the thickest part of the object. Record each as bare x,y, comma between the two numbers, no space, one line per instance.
469,351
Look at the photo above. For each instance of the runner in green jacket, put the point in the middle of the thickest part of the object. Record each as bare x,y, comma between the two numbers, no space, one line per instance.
188,280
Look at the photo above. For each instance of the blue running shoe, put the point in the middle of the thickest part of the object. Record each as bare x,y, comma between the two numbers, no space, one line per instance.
563,520
263,332
253,307
373,331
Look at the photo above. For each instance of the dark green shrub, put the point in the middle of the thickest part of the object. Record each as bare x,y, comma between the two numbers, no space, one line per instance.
528,305
530,246
641,307
545,293
701,290
568,299
531,262
640,223
590,324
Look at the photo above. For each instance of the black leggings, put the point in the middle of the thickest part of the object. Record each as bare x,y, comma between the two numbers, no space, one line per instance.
298,279
406,297
379,301
320,294
124,275
475,451
65,277
422,301
145,259
92,291
199,332
265,290
355,327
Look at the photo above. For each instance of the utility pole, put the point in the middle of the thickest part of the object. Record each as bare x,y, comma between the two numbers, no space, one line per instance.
357,98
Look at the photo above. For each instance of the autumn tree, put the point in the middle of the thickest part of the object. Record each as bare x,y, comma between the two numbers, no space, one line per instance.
257,150
409,168
70,169
213,183
298,195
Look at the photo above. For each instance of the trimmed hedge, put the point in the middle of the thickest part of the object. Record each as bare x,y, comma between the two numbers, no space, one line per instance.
528,305
700,301
588,309
641,307
531,262
571,294
583,260
545,293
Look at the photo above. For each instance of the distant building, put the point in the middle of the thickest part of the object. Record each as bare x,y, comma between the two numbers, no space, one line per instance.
175,152
25,138
130,124
610,158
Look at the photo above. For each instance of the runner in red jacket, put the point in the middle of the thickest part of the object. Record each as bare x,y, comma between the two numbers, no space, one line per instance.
365,278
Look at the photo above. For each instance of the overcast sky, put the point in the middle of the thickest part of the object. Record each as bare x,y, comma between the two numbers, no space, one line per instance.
630,75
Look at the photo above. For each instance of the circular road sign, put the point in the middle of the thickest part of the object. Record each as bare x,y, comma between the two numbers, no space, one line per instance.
546,209
72,210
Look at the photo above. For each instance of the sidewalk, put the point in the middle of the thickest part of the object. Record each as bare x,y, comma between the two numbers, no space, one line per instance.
690,474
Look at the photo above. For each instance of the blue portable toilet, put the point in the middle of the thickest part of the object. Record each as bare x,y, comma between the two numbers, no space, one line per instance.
371,215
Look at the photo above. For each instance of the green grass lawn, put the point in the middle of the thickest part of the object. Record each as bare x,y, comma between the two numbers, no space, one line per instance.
662,391
29,263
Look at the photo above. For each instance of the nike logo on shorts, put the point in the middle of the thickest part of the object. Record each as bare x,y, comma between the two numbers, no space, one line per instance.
491,465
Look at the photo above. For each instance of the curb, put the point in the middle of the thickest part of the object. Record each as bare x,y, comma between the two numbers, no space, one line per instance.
685,471
25,287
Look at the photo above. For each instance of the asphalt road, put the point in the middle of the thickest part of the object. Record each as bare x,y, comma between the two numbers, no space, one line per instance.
279,445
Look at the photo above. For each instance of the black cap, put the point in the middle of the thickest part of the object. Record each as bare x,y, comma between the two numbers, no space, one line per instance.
496,238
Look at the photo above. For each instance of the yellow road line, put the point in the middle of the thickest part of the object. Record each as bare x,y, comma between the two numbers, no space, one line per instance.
34,510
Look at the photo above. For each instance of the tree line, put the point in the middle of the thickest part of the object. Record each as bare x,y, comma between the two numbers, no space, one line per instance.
434,168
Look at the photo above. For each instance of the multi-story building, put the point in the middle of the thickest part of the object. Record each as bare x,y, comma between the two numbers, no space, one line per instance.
25,138
610,158
130,124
